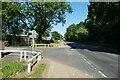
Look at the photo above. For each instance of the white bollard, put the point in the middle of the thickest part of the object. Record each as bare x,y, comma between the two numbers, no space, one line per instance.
25,55
29,67
21,54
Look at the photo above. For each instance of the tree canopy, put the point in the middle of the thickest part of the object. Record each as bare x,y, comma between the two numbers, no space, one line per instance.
76,32
101,25
21,17
56,35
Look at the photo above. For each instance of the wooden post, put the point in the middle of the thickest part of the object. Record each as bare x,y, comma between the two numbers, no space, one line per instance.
29,67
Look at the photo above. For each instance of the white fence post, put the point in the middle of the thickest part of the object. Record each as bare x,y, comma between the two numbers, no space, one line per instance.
29,67
21,54
38,58
25,55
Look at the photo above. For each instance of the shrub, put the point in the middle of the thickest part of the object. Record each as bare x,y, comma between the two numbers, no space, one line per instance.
6,43
56,42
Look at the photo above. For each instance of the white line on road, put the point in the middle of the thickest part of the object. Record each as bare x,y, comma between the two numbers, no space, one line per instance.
102,74
94,68
88,62
84,59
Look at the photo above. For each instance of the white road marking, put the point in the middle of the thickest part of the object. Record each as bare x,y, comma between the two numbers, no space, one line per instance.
102,74
84,59
94,68
88,62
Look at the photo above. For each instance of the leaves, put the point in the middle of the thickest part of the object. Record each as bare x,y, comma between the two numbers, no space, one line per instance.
21,17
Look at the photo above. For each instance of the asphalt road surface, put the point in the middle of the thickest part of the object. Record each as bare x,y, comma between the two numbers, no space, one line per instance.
94,61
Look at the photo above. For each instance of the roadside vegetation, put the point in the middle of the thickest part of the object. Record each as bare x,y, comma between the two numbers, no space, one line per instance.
11,69
100,28
38,71
22,17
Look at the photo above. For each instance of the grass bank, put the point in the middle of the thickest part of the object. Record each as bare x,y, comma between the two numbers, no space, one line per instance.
38,71
11,69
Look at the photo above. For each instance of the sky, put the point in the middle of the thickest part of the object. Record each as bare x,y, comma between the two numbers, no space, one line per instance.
80,11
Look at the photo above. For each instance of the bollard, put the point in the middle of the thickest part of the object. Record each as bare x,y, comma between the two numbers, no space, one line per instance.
29,67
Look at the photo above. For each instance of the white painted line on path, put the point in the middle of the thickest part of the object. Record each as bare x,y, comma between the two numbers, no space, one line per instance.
102,74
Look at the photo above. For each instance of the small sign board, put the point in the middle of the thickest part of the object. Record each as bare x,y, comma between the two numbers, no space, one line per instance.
34,34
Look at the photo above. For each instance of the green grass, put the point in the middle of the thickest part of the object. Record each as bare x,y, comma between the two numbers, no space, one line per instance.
38,71
12,68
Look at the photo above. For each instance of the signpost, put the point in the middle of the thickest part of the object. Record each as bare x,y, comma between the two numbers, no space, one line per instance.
34,35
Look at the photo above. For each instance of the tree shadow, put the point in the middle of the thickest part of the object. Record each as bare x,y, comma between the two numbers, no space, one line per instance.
92,48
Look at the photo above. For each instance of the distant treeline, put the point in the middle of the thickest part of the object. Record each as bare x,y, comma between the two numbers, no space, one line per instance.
102,24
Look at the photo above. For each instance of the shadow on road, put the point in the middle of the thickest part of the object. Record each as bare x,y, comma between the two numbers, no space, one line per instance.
92,48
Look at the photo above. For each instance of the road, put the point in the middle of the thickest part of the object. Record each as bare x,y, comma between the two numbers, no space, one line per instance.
95,62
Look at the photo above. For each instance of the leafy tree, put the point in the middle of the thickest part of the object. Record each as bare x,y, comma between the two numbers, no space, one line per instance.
56,35
76,32
24,16
103,21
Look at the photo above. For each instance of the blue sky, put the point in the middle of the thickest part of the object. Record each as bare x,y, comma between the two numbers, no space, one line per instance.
79,14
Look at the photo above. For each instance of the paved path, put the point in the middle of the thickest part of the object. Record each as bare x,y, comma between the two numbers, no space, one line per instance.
65,61
60,70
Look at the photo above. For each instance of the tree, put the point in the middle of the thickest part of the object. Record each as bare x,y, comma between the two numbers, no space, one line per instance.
24,16
56,35
48,14
103,21
76,32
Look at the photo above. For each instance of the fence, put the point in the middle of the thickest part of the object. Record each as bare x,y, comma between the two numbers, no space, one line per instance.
38,56
47,45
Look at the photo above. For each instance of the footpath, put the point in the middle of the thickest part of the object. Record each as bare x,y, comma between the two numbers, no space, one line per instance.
59,70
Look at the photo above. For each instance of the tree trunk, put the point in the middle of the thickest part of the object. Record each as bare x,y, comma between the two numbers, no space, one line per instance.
1,45
39,39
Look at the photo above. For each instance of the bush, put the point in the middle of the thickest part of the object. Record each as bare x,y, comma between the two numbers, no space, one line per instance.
56,42
6,43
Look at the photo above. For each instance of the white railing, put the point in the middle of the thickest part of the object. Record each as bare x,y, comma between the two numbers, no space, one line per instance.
38,56
46,45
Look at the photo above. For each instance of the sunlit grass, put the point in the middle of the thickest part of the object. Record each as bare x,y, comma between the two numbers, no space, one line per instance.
11,69
38,72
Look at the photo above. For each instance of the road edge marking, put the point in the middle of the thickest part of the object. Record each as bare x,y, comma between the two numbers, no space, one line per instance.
102,74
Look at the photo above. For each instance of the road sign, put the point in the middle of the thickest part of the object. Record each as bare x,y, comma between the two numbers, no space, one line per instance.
34,34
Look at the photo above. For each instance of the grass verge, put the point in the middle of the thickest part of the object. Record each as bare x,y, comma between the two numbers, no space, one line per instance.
12,68
38,71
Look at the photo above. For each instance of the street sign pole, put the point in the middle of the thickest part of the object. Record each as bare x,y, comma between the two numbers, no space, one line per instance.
33,40
33,43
